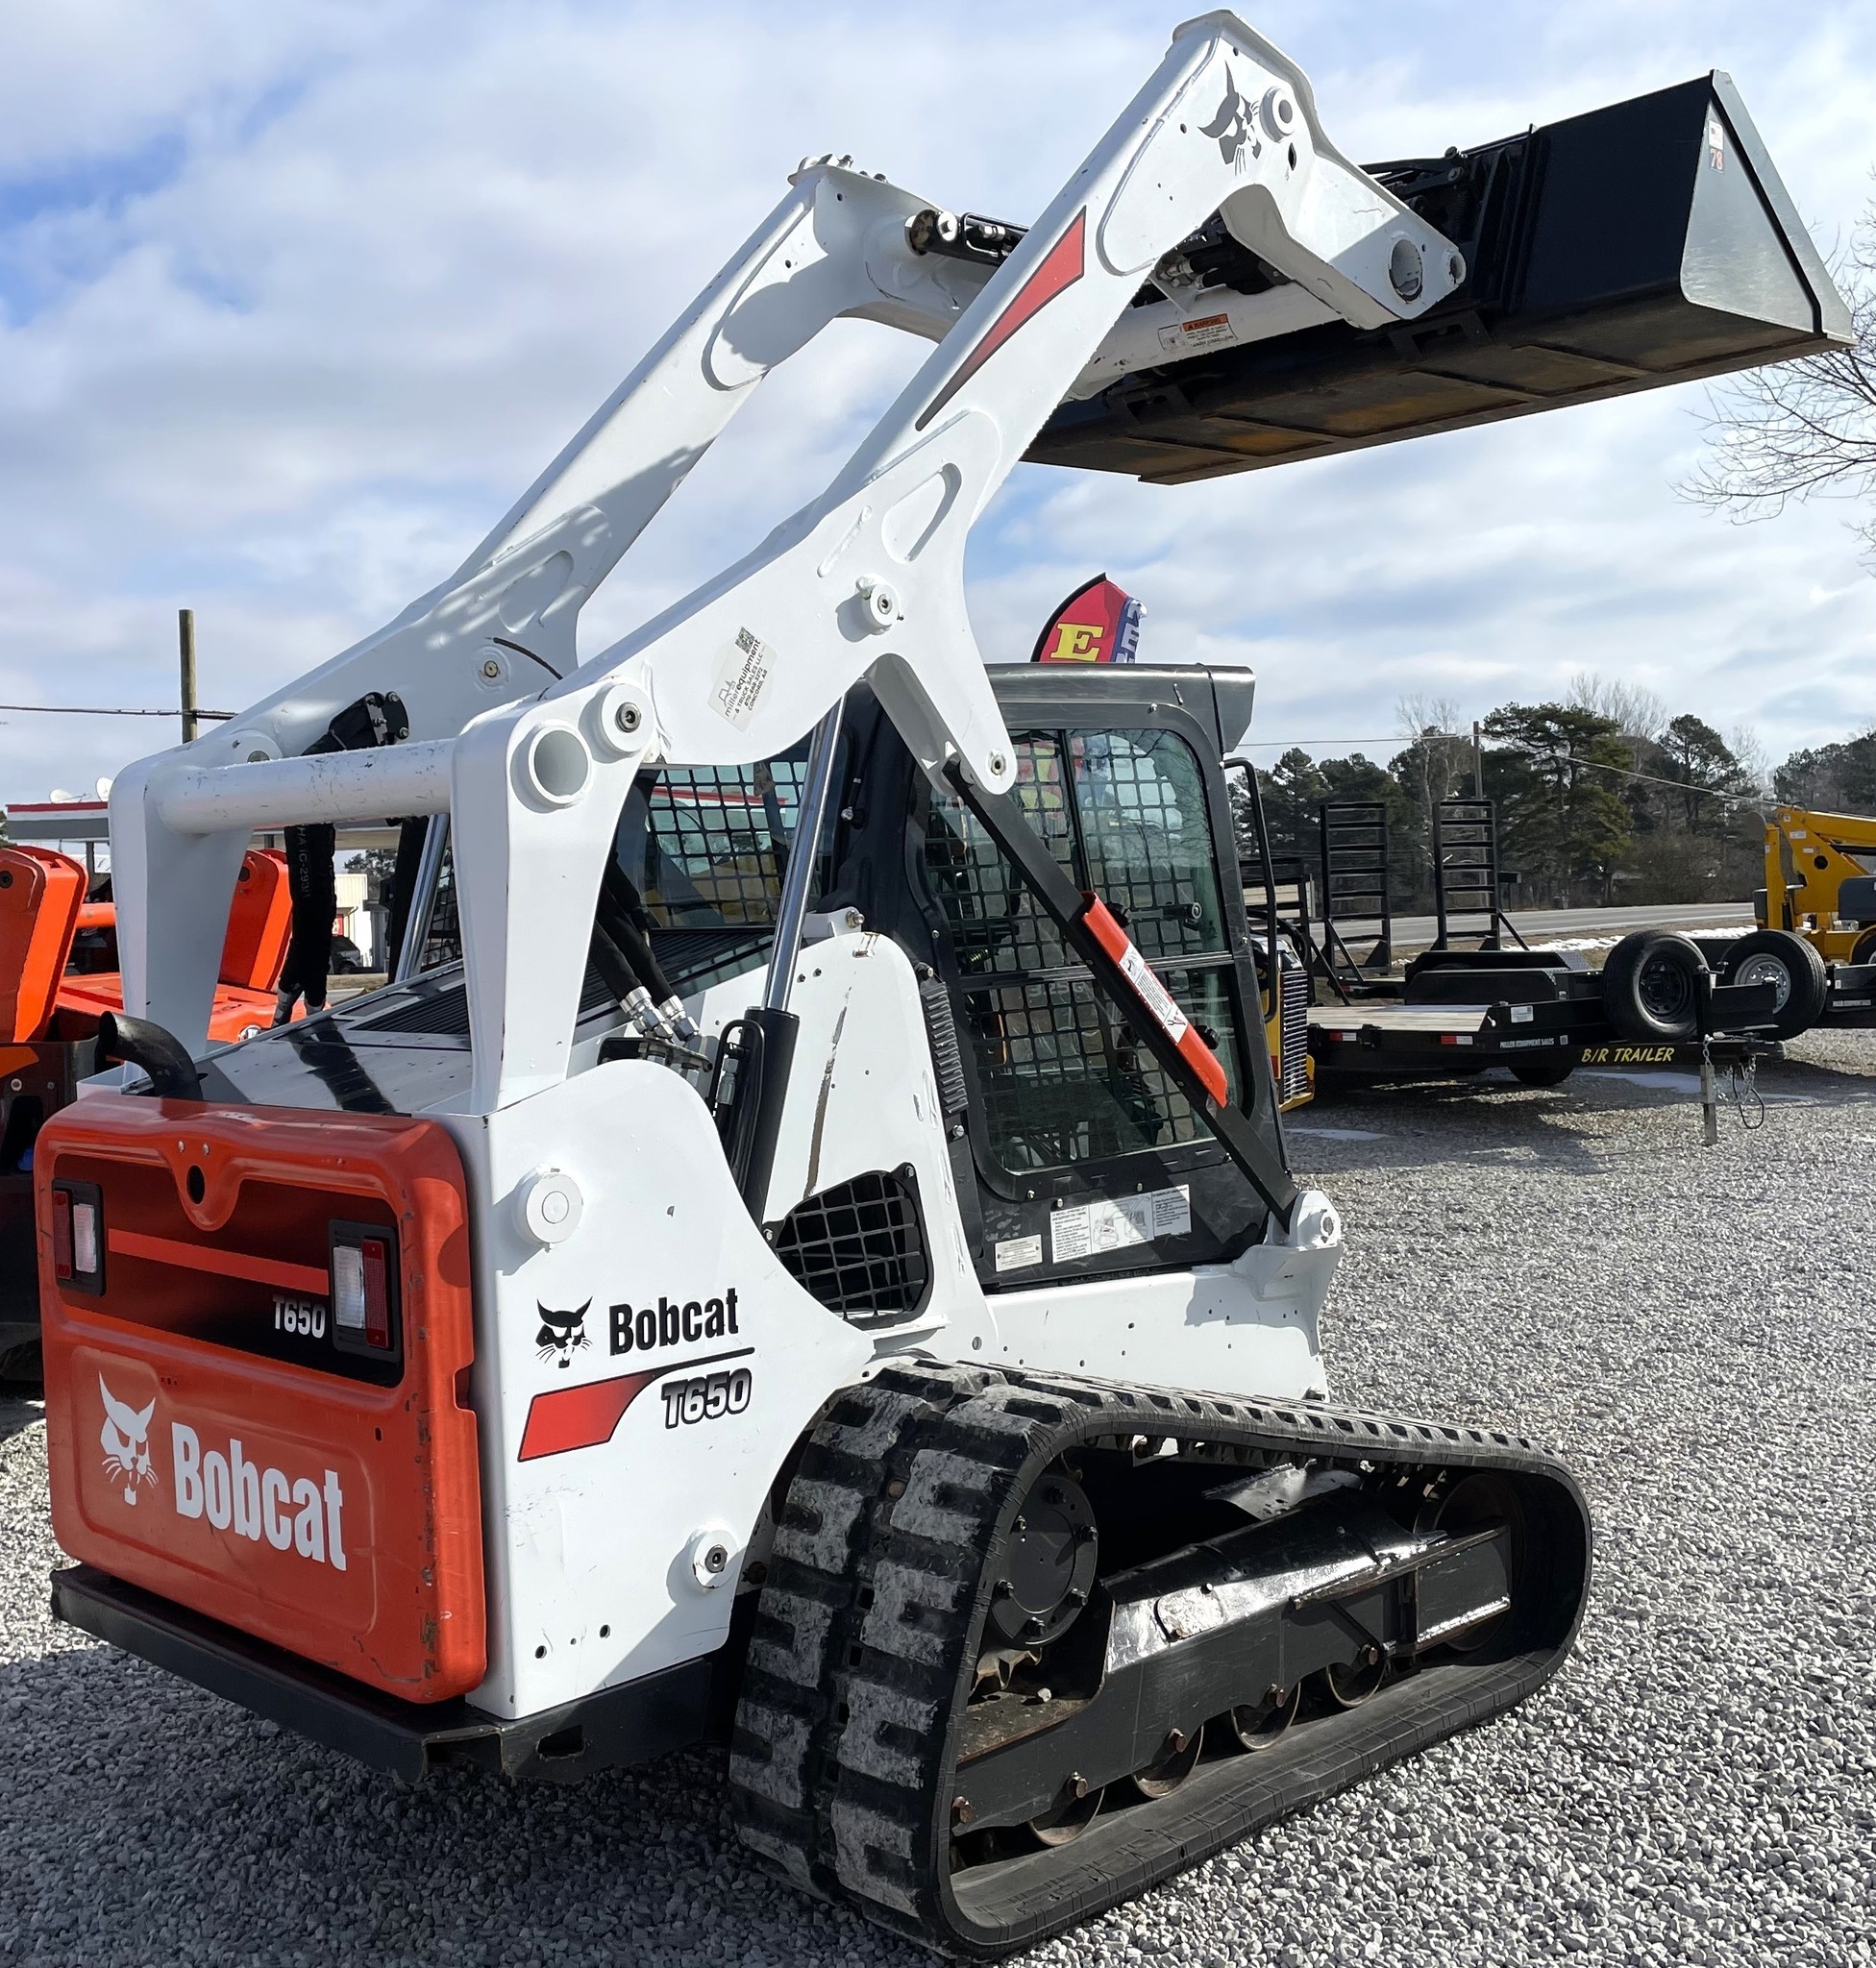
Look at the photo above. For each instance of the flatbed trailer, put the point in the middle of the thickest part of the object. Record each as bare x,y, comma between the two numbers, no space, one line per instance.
1540,1013
1378,1040
1852,1000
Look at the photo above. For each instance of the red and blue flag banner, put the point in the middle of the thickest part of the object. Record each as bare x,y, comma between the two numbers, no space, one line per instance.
1099,623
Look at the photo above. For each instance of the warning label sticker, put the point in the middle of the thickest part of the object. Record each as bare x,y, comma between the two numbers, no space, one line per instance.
1203,331
741,676
1018,1252
1115,1225
1154,995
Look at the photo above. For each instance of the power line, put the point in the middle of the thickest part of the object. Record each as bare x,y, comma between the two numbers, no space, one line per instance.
1647,778
1259,744
98,711
1563,758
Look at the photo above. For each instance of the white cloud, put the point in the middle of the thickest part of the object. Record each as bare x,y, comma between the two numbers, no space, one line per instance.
293,302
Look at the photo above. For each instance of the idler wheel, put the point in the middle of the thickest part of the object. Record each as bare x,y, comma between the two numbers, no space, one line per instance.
1351,1685
1257,1725
1047,1569
1174,1764
1071,1813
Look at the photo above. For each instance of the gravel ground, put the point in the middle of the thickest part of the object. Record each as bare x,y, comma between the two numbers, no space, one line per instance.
1700,1785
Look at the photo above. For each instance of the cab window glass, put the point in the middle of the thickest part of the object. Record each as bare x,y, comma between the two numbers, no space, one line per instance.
706,847
1065,1078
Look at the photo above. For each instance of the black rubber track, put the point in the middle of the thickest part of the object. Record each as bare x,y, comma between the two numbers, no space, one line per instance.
842,1767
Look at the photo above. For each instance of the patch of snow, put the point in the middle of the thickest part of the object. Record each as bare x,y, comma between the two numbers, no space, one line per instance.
1718,933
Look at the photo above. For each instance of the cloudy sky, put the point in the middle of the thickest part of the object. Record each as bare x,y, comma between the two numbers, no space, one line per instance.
295,299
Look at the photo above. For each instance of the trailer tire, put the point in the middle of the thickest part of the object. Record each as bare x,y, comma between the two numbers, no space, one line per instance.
1650,988
1542,1072
1864,949
1792,966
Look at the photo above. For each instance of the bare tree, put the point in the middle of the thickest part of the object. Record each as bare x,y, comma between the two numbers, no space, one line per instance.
1438,761
1805,429
1636,712
1754,761
1416,716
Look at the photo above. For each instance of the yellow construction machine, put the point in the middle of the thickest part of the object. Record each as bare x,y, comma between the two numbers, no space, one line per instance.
1820,896
1819,866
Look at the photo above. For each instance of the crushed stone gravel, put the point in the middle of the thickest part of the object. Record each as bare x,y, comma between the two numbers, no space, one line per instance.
1690,1326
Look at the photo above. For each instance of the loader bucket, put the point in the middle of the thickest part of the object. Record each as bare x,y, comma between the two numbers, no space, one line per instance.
1647,243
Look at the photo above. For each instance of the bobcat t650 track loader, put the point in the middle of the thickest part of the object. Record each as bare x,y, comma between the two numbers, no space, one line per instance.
802,1250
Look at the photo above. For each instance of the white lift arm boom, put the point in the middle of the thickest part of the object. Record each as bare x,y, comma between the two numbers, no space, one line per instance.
867,580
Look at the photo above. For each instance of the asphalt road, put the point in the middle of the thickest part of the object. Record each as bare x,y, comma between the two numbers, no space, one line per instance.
1546,925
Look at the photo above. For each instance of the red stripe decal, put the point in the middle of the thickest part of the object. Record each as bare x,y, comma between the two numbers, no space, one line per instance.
224,1264
584,1418
1065,263
579,1417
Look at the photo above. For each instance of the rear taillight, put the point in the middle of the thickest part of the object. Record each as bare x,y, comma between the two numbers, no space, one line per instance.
77,1236
364,1289
378,1293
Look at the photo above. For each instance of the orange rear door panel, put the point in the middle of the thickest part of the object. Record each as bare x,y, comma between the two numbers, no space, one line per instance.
208,1444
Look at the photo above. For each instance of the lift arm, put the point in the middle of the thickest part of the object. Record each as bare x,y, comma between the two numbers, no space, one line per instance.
867,580
504,626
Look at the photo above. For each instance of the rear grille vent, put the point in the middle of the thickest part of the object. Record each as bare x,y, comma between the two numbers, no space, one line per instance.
693,960
445,1011
859,1247
442,1012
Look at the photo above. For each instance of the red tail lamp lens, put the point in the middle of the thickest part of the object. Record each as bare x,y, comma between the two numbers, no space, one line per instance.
78,1234
378,1293
365,1289
62,1235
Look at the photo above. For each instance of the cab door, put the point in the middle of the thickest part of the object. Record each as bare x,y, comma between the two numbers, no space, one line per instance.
1087,1160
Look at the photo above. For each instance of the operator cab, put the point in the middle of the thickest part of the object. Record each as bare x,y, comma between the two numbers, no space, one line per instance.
1073,1152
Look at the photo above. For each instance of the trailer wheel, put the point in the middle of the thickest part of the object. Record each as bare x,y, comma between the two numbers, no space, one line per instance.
1864,951
1650,988
1793,970
1542,1072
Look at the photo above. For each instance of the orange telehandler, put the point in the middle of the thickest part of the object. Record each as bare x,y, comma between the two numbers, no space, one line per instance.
58,977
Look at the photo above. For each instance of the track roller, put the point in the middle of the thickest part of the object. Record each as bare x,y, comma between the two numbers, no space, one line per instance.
1258,1725
1070,1815
1176,1760
1349,1684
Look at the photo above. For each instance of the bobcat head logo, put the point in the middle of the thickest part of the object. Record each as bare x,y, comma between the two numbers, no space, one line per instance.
562,1332
125,1439
1232,127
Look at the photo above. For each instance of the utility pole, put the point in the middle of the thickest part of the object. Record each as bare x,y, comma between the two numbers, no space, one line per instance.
1478,762
186,640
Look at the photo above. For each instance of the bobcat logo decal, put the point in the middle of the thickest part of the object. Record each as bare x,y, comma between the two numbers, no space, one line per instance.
562,1332
1232,127
125,1441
